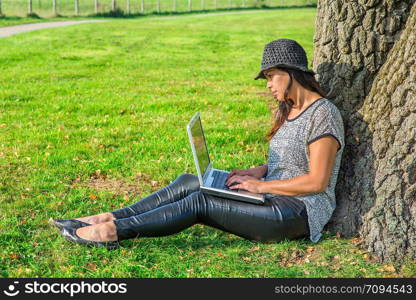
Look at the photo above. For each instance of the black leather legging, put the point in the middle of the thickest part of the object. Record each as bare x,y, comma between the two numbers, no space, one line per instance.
182,204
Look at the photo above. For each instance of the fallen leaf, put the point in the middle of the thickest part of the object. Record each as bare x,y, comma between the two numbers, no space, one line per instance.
310,249
92,267
388,268
93,196
14,256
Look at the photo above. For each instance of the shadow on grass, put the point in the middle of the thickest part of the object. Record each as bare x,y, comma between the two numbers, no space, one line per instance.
200,237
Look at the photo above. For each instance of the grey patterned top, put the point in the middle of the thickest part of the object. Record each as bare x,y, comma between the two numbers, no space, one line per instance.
289,157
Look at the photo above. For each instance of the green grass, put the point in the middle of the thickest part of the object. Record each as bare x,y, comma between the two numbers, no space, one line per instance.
116,97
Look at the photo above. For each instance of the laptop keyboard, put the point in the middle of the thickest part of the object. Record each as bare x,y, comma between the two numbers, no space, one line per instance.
219,180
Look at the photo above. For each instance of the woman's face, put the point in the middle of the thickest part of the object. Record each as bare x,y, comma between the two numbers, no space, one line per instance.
277,82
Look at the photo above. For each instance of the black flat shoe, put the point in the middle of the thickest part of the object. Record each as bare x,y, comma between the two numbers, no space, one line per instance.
68,223
70,234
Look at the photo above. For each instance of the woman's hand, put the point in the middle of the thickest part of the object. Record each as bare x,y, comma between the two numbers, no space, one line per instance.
257,173
245,182
237,172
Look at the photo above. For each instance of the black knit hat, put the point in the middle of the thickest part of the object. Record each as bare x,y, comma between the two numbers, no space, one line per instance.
284,53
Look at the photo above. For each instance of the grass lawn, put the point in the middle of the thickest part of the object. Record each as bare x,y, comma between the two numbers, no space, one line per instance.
92,118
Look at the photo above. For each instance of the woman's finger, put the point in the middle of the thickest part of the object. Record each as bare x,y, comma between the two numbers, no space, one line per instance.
227,181
231,174
233,179
230,181
235,186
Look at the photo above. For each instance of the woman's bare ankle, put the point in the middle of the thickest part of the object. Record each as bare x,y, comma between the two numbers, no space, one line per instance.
100,232
97,219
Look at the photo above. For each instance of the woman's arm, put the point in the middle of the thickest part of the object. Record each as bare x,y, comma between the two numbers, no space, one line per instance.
296,186
322,158
261,171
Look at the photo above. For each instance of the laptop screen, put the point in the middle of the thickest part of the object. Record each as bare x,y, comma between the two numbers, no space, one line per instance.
200,146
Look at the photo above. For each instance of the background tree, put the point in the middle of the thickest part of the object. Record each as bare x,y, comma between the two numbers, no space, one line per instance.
365,58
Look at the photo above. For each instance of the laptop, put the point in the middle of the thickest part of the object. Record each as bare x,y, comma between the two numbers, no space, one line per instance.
212,181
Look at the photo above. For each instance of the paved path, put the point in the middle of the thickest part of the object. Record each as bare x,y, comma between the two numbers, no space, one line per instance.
11,30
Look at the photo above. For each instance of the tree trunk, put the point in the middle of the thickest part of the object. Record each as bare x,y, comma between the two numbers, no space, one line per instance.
54,8
76,7
29,7
389,227
353,40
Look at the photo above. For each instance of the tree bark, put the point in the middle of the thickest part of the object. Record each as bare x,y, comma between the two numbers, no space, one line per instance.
354,39
389,227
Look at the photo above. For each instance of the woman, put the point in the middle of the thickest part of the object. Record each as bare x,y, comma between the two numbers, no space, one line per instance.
306,144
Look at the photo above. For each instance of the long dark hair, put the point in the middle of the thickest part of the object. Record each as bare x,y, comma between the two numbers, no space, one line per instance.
307,81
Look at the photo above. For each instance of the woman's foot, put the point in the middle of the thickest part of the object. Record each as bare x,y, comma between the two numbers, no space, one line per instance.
103,232
97,219
60,223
